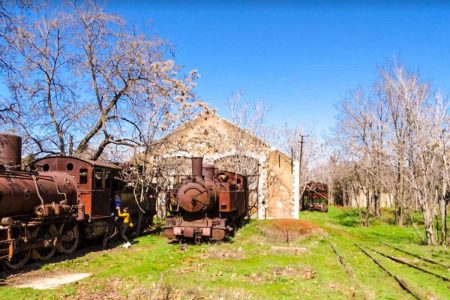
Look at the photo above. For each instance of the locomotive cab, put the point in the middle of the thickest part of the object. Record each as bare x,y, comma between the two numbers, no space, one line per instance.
94,180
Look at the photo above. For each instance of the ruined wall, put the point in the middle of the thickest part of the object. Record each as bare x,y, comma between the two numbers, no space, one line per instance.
279,190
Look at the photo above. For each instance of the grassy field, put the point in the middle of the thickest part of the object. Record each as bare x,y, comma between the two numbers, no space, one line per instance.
266,260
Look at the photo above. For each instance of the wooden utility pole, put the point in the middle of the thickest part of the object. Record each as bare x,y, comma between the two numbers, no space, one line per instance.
300,166
301,153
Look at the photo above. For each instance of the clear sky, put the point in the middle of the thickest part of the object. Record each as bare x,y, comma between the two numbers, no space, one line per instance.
298,58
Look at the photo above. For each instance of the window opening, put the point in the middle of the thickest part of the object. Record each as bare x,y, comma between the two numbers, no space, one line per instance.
83,176
107,178
98,179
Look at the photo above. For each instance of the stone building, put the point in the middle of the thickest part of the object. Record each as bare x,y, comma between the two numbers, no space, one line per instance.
273,186
359,200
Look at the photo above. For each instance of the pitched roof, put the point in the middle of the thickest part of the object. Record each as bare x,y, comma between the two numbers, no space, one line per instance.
202,117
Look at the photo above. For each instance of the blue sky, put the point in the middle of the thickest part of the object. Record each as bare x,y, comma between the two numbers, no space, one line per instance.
299,59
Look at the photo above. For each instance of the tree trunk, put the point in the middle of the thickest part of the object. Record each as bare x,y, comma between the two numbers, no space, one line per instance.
139,201
429,230
344,196
399,216
162,201
399,197
443,209
70,145
377,199
437,230
367,208
139,224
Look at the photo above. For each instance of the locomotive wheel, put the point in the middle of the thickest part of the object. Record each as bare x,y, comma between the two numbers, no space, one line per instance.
70,236
44,232
19,259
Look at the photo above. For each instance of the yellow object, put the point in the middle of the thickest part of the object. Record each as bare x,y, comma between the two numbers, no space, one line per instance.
125,216
131,225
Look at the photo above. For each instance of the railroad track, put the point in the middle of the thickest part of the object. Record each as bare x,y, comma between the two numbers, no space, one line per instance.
402,283
349,271
403,262
418,256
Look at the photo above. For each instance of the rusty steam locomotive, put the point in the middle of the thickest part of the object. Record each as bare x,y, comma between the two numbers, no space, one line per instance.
208,206
50,209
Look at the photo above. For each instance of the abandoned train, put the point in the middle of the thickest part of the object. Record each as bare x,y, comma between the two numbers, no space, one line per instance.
50,209
315,197
208,206
66,199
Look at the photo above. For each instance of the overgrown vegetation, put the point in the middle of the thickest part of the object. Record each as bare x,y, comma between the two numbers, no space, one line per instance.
391,143
260,263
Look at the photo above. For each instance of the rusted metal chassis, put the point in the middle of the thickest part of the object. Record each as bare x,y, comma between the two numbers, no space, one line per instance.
17,237
205,228
322,207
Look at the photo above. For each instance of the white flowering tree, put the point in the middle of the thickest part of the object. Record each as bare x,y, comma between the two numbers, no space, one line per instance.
86,83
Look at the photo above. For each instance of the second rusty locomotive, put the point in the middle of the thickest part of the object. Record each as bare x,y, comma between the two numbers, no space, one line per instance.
210,205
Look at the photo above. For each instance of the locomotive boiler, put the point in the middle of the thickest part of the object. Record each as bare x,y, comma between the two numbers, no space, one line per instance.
40,192
210,205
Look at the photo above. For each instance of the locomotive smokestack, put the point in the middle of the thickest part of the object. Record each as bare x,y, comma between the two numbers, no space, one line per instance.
197,167
10,151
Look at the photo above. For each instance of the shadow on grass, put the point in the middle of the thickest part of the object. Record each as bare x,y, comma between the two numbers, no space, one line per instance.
155,230
84,249
348,218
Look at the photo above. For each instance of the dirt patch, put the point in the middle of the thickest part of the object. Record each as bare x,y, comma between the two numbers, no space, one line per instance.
196,267
288,250
220,253
287,230
304,273
300,226
102,289
44,280
122,289
281,273
162,291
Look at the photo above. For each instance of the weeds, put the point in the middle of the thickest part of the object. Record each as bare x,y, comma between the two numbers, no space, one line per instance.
259,263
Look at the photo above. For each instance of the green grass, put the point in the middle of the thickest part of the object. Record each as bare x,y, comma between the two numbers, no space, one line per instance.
249,266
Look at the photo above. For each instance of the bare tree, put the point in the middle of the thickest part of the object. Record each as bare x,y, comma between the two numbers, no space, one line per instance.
360,137
399,131
84,74
8,11
303,146
249,135
151,118
42,100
